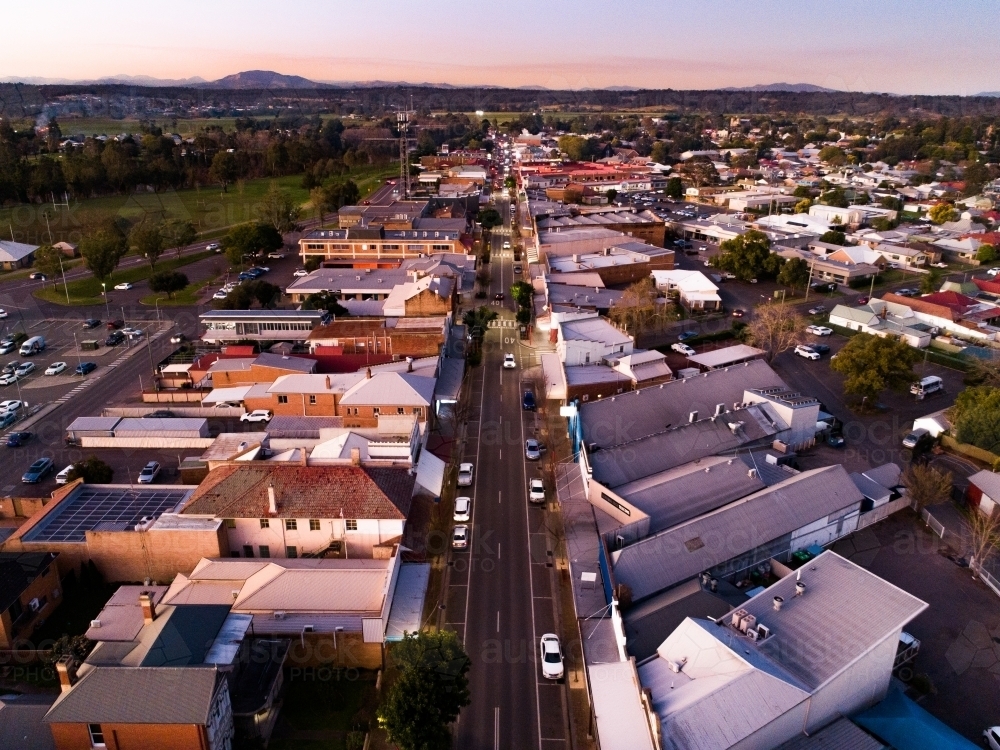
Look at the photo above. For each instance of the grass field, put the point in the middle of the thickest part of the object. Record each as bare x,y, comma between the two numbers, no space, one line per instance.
88,291
211,210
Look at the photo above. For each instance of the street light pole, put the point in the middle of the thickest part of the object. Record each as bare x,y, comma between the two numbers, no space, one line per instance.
157,307
63,272
104,291
79,361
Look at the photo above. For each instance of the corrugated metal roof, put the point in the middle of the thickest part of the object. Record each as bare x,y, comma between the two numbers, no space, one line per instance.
138,695
843,734
189,426
22,723
648,411
321,589
391,389
121,618
95,424
846,608
660,561
407,608
725,356
988,482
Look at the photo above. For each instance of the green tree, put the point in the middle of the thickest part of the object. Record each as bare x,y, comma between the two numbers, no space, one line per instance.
249,240
477,321
660,152
325,301
748,256
92,470
576,147
168,281
522,292
675,188
942,212
489,218
224,169
802,207
146,239
835,197
931,281
48,261
985,254
794,274
430,688
318,198
341,192
278,209
178,233
102,250
832,156
833,237
870,364
976,416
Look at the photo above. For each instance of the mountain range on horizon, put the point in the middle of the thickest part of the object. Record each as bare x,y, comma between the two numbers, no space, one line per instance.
269,79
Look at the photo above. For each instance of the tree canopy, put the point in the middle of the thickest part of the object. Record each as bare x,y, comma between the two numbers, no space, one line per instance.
942,212
93,471
430,688
833,237
976,416
278,209
168,281
147,240
48,261
748,257
251,239
870,364
794,273
102,250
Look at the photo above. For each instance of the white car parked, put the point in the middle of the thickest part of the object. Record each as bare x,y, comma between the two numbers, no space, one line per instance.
257,415
463,508
63,476
684,349
10,406
551,656
55,368
465,475
819,330
123,287
536,491
300,272
460,537
149,473
807,352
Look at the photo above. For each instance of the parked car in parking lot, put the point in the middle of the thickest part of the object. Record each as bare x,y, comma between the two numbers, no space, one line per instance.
114,338
6,420
10,406
115,324
55,368
149,473
17,439
819,330
806,352
300,272
37,471
84,368
24,369
684,349
91,323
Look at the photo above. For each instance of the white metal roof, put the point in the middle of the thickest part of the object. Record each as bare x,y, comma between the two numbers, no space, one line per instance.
621,719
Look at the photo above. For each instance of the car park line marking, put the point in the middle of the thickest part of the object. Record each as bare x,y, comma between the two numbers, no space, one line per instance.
472,518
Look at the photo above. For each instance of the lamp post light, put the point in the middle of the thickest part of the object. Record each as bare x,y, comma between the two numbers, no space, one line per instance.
157,307
104,293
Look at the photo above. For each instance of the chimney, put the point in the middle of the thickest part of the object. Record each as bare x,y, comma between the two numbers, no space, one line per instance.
328,386
305,455
272,500
368,374
148,608
355,457
66,669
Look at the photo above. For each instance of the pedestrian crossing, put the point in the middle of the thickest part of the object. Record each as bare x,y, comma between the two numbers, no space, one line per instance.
85,384
502,324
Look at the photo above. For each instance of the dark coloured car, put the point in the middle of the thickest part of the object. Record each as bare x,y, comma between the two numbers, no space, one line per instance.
85,367
6,420
115,324
114,339
37,471
738,313
821,348
91,323
17,439
159,414
528,401
685,335
835,441
498,296
861,301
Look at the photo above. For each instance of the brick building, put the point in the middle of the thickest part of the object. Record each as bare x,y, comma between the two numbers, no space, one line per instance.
30,589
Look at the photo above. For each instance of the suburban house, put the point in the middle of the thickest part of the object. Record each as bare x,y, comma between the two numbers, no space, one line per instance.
955,313
16,255
984,492
285,510
164,675
30,590
340,612
885,319
708,677
694,290
839,266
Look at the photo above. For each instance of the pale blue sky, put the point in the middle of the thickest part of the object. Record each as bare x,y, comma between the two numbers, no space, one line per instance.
903,46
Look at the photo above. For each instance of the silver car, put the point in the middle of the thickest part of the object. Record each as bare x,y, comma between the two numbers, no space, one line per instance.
532,451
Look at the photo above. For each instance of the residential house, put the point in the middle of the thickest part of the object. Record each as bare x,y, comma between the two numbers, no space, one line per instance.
888,320
30,591
693,288
164,675
707,678
284,510
387,394
960,316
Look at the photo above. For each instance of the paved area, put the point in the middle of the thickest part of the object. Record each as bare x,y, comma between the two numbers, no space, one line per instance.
959,632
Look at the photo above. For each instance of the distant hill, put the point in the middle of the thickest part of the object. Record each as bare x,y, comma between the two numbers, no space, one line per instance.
795,88
990,93
262,79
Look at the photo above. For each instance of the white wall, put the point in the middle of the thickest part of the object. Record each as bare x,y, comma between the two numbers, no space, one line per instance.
370,532
825,530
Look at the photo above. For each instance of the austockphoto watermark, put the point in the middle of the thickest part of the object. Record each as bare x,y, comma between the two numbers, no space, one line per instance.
325,674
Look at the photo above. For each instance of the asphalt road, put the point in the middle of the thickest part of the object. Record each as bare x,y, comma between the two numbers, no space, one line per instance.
500,591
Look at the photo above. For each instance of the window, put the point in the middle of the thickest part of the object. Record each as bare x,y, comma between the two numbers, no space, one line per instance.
313,524
400,410
291,552
312,400
282,399
265,523
234,553
291,524
96,735
247,550
264,551
375,411
351,524
230,523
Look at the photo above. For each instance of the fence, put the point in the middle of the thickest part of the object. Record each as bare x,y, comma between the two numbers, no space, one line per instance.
883,511
177,411
936,526
985,575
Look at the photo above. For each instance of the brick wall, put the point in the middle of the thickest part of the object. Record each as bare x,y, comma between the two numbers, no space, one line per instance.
132,736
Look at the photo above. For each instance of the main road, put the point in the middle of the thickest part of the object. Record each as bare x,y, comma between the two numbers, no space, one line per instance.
500,592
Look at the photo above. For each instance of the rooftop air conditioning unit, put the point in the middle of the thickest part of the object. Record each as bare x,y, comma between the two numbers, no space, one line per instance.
738,616
95,623
763,631
34,605
279,614
752,635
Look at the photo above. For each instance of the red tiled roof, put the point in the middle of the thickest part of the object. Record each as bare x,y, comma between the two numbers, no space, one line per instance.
919,305
954,300
304,492
993,287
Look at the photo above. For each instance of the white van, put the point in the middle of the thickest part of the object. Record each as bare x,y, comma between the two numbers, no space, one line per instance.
32,346
927,386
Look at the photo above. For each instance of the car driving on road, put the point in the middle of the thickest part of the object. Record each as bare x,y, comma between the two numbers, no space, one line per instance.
551,657
508,361
123,287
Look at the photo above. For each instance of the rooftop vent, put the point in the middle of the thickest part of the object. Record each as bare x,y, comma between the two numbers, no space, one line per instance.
693,417
800,588
778,601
